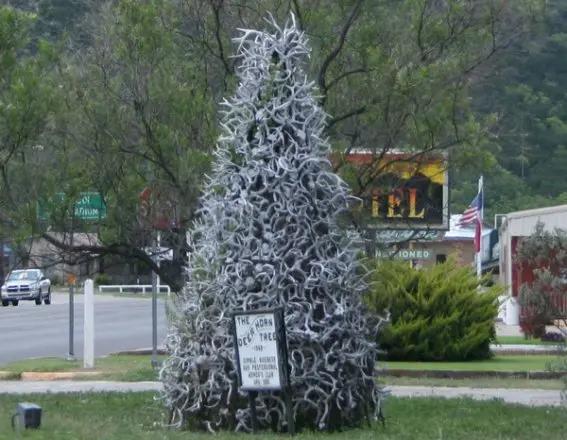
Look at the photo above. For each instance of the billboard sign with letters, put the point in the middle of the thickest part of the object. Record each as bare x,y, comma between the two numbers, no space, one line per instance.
400,190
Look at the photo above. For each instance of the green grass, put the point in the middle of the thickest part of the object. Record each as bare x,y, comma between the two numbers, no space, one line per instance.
529,362
41,364
129,368
114,416
138,368
481,382
522,341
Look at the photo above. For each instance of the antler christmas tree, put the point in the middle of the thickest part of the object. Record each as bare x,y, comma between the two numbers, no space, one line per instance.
268,236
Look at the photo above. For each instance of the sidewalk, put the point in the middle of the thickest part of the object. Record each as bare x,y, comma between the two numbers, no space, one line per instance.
529,397
70,386
508,330
526,349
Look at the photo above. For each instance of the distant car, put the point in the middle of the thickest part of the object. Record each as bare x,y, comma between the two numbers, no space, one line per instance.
26,284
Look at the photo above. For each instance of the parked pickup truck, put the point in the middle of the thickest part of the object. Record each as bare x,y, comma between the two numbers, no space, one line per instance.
26,284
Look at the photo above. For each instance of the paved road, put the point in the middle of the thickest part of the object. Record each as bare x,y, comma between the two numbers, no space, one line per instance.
528,397
35,331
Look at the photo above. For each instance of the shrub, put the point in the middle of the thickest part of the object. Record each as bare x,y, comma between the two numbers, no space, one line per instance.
101,278
538,300
543,294
441,313
56,280
553,337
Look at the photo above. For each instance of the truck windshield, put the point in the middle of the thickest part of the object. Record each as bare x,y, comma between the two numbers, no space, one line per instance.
23,275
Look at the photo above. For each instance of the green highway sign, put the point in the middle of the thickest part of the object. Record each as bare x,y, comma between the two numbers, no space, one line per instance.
88,206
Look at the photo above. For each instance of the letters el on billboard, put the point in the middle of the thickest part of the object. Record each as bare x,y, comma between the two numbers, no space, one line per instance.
401,190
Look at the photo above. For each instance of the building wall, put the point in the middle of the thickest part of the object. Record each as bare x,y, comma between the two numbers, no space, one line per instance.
515,226
461,250
522,224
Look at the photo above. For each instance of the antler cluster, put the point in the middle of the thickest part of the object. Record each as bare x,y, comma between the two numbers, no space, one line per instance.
268,236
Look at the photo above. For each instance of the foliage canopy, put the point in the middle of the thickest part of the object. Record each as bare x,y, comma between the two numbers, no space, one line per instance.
129,101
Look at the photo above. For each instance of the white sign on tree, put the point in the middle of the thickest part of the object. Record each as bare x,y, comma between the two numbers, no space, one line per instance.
257,351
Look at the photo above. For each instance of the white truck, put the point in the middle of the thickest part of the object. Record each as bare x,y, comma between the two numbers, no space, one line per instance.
26,284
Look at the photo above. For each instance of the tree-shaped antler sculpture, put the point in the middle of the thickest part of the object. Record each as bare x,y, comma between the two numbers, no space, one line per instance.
268,236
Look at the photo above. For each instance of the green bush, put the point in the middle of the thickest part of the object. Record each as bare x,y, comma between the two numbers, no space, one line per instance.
56,280
101,279
442,313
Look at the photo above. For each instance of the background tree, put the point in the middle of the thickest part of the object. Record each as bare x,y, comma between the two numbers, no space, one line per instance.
132,114
543,296
136,98
27,104
269,236
525,92
137,117
393,77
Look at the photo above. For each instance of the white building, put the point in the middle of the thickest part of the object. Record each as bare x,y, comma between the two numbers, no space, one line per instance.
514,226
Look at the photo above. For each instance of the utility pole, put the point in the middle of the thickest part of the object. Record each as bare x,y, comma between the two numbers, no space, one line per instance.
1,257
88,326
155,287
480,219
71,280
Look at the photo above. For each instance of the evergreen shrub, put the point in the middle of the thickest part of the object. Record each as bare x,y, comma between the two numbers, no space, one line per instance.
101,279
553,337
442,313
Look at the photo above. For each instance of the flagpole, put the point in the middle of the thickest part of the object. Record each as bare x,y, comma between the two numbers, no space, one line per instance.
479,254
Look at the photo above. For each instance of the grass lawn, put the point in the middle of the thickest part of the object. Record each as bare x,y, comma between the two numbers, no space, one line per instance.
497,363
129,368
114,416
480,382
522,341
138,368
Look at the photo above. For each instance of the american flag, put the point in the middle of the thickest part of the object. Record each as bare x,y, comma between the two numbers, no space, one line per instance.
473,216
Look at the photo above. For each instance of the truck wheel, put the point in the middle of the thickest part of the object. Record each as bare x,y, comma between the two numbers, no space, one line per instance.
15,302
38,299
5,303
47,299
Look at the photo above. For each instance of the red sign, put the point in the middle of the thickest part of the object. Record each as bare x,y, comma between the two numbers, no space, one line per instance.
157,209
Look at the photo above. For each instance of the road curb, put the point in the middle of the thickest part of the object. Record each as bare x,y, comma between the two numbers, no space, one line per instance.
58,375
141,351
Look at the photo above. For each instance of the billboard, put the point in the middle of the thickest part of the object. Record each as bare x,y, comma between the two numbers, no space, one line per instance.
400,190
